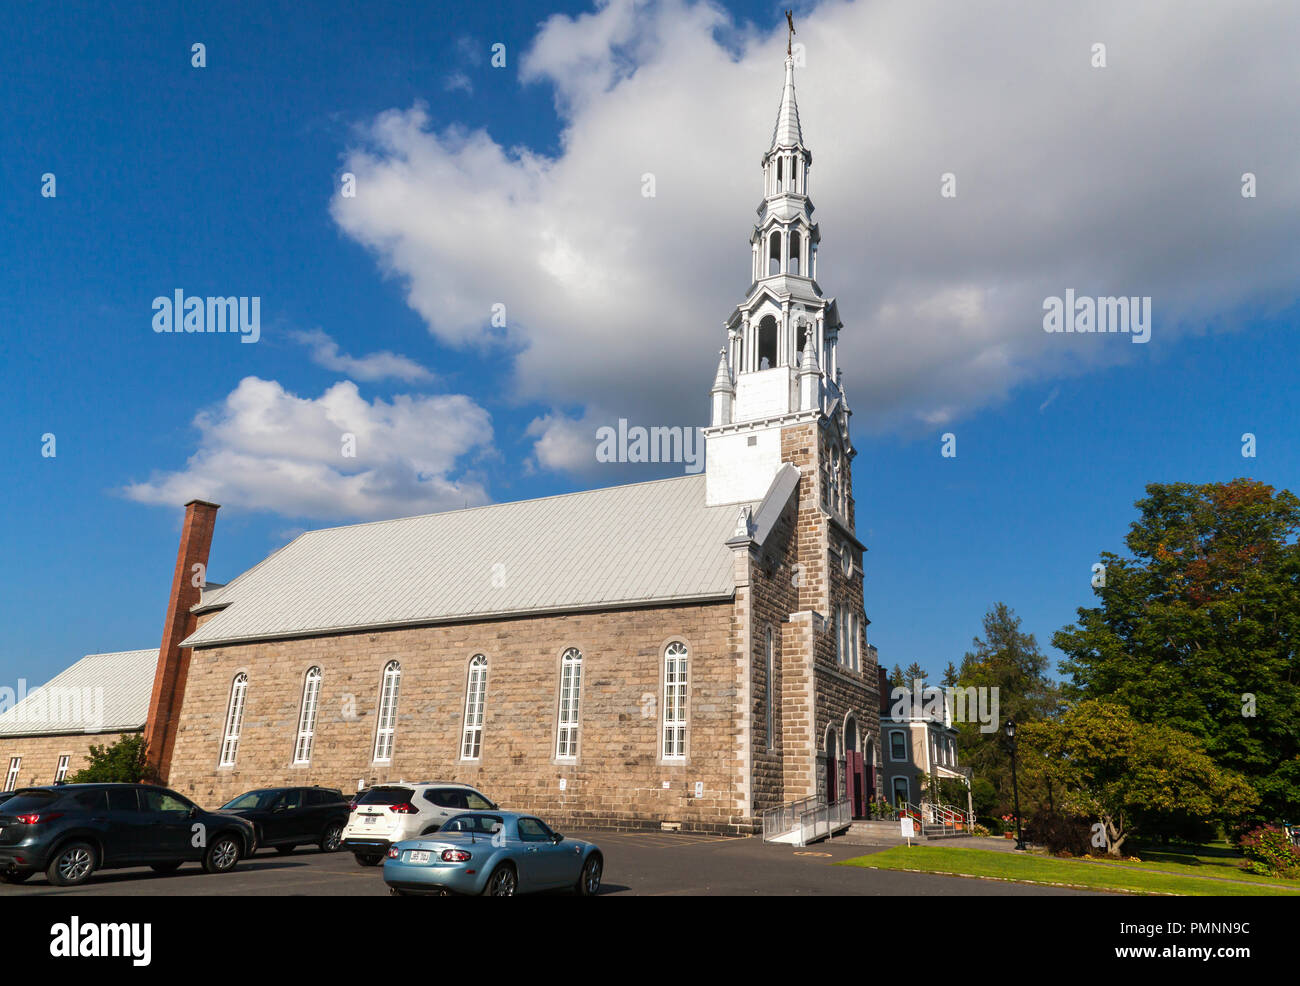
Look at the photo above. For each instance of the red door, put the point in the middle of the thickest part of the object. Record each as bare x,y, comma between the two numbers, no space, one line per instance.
857,784
850,782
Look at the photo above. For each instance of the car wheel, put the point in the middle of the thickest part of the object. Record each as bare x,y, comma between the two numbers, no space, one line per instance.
285,850
367,859
15,876
503,882
72,865
165,867
394,892
222,855
329,842
589,879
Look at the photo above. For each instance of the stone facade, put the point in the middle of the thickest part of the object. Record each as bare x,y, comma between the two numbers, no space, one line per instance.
618,780
40,754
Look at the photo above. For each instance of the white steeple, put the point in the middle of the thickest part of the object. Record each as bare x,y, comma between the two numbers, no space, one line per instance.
768,380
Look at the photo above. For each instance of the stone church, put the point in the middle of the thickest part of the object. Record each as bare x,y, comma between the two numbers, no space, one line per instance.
683,653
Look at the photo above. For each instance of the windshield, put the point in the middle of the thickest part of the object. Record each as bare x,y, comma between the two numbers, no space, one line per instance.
386,796
251,800
25,801
478,824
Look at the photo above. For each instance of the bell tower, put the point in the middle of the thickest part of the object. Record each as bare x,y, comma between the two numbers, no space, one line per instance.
779,366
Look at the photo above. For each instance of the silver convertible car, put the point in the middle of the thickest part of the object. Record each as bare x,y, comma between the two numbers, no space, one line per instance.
496,854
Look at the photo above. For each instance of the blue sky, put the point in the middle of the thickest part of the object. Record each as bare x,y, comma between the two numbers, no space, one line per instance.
224,180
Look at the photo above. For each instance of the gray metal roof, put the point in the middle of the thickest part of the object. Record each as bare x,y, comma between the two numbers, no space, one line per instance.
625,545
101,693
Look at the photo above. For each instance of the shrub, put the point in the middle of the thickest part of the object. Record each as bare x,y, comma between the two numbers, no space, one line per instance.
1060,833
1270,852
121,763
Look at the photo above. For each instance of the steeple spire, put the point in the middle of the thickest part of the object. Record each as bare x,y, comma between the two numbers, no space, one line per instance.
787,132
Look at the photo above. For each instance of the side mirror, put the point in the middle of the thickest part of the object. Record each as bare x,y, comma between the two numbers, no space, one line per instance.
557,838
194,811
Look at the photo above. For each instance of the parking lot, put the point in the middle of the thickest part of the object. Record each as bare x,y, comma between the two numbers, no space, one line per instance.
651,863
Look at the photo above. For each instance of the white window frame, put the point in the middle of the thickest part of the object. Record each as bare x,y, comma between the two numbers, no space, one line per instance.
770,647
471,740
61,771
856,652
307,715
676,671
892,734
11,778
234,720
569,716
386,719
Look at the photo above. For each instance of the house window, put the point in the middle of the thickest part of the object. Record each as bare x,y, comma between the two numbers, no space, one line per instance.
675,701
475,694
771,669
11,778
234,720
386,723
902,790
307,716
566,743
61,771
897,745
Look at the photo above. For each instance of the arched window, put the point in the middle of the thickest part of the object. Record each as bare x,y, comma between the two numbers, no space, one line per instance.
386,723
774,253
566,742
767,343
801,335
475,693
770,654
234,720
674,746
795,244
307,716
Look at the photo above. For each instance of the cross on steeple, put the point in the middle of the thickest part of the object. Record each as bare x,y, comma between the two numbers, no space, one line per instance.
789,41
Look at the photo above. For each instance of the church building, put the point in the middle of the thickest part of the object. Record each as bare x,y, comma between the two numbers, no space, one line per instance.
687,652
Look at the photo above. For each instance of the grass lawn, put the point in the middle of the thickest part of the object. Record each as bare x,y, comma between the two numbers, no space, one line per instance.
1184,878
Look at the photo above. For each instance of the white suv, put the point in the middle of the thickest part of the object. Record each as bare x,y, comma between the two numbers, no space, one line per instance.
389,813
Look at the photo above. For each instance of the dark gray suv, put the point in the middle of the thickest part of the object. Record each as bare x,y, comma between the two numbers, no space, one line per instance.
71,830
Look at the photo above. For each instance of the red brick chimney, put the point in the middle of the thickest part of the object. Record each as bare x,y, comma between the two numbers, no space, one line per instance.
885,689
173,660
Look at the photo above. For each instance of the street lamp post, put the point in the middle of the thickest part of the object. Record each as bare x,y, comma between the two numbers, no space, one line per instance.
1015,788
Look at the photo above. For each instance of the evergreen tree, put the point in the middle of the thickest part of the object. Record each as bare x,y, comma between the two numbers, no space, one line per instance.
1200,629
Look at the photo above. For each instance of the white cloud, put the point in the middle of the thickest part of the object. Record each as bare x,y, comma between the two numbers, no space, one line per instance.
1123,180
458,81
376,366
266,449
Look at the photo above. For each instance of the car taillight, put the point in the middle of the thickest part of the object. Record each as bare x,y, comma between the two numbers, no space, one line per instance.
393,853
402,809
455,856
36,818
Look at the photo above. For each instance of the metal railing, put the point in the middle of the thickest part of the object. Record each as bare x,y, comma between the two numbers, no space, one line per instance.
783,819
824,821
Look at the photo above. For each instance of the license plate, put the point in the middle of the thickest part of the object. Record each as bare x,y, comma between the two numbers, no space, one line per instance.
370,819
417,856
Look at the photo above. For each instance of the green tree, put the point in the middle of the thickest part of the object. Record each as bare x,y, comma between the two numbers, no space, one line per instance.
1200,629
896,679
1008,663
950,675
122,762
913,673
1130,776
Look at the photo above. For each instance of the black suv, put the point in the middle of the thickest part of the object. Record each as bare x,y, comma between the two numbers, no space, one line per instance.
287,817
72,830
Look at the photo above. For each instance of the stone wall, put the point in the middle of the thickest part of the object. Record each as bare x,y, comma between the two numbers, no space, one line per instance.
40,754
619,779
